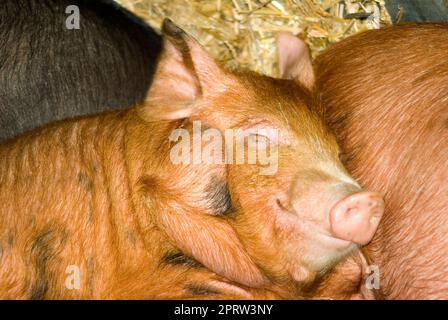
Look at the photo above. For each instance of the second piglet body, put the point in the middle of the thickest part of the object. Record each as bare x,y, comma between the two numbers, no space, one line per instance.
385,93
104,197
389,109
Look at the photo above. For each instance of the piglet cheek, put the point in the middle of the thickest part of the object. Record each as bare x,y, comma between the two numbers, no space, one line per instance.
356,217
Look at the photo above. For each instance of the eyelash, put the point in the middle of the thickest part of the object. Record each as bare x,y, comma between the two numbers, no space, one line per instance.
279,138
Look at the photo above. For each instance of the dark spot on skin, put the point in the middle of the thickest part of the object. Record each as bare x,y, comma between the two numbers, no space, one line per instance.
177,258
40,254
200,289
131,237
39,290
65,235
94,167
11,240
90,214
85,182
1,252
219,200
90,273
147,183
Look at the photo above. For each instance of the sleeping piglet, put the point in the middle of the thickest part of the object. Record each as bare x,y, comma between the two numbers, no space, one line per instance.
126,204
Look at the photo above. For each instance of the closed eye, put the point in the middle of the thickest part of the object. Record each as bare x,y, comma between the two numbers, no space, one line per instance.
268,134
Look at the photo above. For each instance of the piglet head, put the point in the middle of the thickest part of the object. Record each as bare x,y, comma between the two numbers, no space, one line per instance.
285,206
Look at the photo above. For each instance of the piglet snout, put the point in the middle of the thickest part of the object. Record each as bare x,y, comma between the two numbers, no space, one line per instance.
356,217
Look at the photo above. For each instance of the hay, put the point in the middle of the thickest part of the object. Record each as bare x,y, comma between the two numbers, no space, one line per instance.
241,33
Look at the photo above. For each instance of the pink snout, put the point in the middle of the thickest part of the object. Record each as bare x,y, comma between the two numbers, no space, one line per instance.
356,217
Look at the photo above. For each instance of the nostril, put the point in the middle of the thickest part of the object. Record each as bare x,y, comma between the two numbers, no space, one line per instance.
356,217
351,211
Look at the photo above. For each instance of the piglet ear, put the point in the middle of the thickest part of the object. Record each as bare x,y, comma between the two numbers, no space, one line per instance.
185,73
294,59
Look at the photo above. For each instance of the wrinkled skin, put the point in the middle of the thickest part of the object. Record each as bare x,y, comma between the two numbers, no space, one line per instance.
387,104
104,194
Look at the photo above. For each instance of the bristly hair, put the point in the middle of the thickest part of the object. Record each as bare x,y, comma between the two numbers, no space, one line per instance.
219,200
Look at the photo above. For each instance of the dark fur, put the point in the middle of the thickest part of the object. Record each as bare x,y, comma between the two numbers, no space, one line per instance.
197,289
39,256
48,72
218,197
177,258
